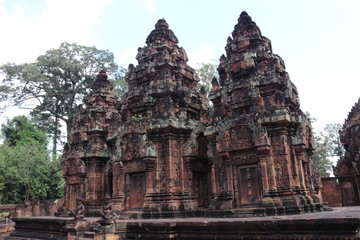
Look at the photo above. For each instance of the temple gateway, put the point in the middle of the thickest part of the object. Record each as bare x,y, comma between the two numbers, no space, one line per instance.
167,149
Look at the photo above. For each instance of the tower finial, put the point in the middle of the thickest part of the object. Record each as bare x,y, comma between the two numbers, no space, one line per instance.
161,23
244,16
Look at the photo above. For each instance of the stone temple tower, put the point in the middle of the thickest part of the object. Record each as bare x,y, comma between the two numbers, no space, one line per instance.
89,154
260,141
163,149
347,169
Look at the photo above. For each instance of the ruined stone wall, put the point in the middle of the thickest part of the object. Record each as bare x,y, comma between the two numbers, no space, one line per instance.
330,192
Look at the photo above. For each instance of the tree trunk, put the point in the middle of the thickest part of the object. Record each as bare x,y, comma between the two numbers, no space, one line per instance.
55,138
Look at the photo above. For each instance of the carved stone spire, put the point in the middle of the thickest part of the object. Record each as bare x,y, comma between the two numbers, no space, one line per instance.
350,136
161,33
250,64
347,169
246,28
162,70
163,110
88,150
102,83
256,111
353,116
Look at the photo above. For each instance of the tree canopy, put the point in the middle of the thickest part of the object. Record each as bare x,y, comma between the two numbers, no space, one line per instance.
206,72
20,131
56,83
328,146
26,170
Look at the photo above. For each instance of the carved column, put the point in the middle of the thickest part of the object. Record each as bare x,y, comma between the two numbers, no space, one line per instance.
127,190
299,152
174,165
229,175
188,176
150,174
294,168
236,187
279,140
227,193
213,192
118,185
263,152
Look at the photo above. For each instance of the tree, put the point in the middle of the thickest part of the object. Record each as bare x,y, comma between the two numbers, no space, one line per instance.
332,136
321,159
56,83
328,146
26,170
206,72
20,131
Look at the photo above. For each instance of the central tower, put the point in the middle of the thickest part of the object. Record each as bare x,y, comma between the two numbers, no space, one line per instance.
162,131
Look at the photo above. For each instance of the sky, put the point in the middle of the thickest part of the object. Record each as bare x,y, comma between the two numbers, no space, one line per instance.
319,40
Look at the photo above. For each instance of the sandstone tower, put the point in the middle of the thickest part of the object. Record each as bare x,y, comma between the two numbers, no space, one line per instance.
260,140
164,151
347,170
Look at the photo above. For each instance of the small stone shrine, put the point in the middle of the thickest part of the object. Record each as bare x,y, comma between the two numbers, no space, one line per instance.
347,170
89,155
164,151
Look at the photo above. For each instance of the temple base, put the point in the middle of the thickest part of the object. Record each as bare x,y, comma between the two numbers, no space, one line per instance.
342,223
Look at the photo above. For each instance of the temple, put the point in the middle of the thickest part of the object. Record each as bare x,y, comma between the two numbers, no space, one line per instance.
347,170
167,149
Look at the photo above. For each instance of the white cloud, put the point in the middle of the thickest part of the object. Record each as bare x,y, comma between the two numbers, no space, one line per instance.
26,37
147,5
150,5
124,58
204,54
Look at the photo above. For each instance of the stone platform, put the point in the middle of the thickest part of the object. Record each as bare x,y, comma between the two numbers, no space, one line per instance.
341,223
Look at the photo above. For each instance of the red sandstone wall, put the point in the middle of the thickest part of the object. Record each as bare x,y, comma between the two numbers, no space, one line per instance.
331,192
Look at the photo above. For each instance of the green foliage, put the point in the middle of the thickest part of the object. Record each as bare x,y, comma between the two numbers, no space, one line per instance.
57,82
26,170
119,83
20,131
206,72
139,117
328,145
321,158
332,138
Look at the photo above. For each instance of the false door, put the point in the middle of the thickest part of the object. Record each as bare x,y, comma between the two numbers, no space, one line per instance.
249,187
137,190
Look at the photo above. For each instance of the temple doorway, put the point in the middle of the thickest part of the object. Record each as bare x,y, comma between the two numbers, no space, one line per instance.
200,188
248,183
137,190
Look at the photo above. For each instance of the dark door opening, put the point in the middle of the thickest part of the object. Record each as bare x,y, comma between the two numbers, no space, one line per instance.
137,190
200,188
